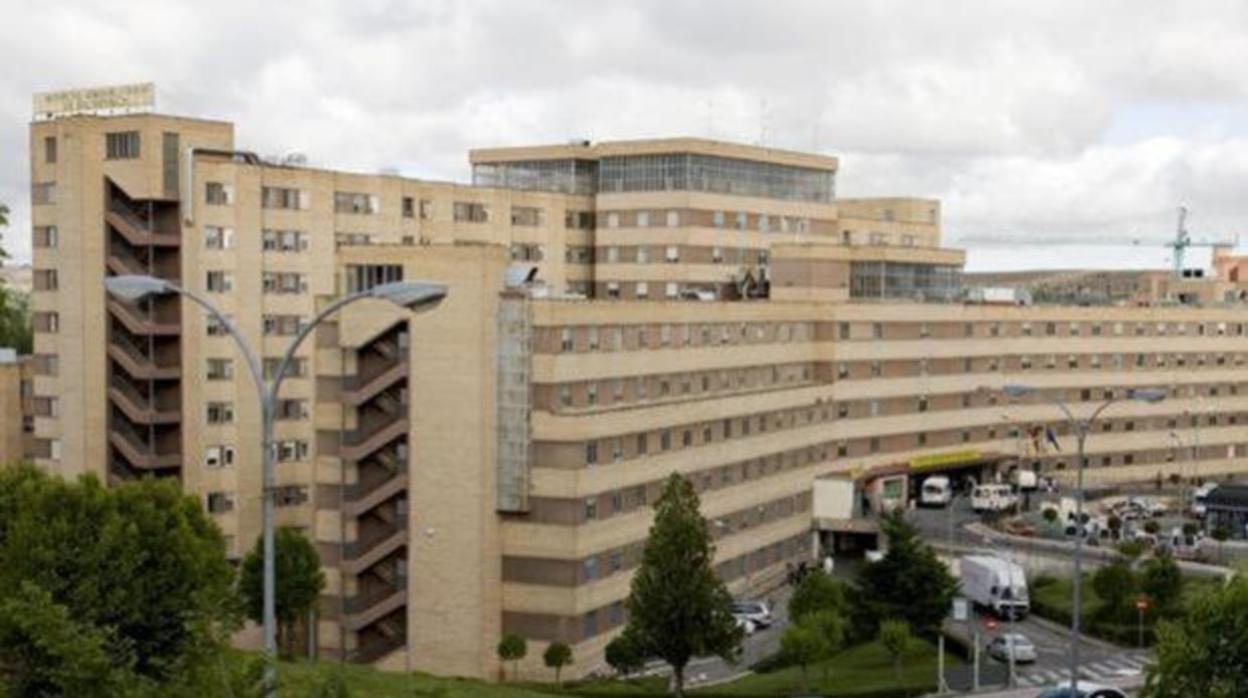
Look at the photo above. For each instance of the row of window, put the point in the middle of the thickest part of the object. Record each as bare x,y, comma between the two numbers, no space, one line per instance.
619,448
223,369
275,282
631,337
222,238
285,451
953,330
624,391
283,496
218,412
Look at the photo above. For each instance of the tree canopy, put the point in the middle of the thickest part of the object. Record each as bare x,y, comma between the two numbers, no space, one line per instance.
1205,653
298,583
910,582
125,585
818,591
15,327
678,608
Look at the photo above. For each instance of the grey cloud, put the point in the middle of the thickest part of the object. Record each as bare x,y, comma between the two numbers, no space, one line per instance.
999,107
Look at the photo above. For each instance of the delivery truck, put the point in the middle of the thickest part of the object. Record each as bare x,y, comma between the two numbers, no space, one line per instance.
995,584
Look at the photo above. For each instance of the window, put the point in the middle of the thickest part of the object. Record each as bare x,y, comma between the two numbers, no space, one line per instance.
742,220
673,253
717,254
291,408
43,193
356,203
281,325
283,282
44,236
613,219
218,238
285,198
471,212
44,280
528,216
613,289
643,219
292,450
218,456
718,219
673,218
283,240
218,281
219,412
220,502
123,145
643,254
298,367
220,369
290,495
49,149
218,194
214,327
409,207
591,453
643,289
672,289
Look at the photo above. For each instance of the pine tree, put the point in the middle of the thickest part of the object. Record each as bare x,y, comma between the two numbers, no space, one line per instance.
678,608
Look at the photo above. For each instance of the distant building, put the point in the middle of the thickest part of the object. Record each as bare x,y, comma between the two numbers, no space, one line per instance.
16,407
489,467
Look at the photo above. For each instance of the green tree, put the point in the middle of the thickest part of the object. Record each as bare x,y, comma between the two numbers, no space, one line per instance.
512,648
830,624
818,591
803,644
1116,585
1162,580
1205,653
139,565
44,652
15,327
623,653
678,608
909,582
299,582
1050,516
557,656
1151,527
895,637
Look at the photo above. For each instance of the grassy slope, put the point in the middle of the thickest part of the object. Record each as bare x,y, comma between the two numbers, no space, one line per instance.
859,669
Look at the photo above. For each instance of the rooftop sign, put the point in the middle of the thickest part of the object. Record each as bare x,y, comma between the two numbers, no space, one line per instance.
102,101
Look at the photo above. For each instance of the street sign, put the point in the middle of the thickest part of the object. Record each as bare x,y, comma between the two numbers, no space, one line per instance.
961,609
1141,604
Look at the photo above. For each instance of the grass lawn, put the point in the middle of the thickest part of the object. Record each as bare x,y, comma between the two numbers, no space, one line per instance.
860,670
1056,593
1051,599
304,679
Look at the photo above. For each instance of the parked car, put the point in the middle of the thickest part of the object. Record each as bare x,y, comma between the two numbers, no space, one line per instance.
1083,689
1020,527
757,612
746,625
1024,650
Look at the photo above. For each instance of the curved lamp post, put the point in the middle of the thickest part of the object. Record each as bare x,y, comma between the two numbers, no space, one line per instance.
416,296
1081,427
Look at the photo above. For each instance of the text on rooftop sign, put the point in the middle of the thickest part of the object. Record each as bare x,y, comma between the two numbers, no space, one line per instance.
114,99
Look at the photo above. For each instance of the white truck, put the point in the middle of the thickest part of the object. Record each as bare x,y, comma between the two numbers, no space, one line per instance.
936,491
993,497
995,584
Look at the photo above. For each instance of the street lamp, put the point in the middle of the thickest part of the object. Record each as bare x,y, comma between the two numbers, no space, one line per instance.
417,296
1080,427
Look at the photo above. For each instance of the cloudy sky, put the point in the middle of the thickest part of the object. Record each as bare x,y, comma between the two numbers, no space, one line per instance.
1030,120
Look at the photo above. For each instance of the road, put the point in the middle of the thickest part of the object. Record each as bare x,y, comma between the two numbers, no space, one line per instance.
1099,661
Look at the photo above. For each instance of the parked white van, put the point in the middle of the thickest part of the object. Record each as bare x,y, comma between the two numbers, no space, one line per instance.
993,498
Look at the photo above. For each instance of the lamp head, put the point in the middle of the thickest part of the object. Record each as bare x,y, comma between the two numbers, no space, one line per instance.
133,287
417,296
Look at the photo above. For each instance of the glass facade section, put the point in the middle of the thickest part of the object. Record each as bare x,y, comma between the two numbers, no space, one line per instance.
917,282
693,172
568,176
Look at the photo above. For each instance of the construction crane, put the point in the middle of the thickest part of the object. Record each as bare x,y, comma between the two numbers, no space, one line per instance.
1178,245
1183,240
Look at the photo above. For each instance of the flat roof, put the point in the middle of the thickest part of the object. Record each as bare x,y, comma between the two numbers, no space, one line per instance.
588,150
